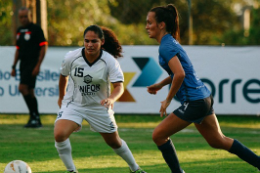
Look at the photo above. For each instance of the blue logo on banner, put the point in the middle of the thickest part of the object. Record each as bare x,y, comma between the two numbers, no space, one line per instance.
151,71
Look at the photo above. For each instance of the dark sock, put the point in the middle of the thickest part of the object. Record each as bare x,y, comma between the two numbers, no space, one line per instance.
245,154
170,156
35,106
28,101
35,109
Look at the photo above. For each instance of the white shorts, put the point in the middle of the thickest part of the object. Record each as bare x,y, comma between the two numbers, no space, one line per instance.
102,121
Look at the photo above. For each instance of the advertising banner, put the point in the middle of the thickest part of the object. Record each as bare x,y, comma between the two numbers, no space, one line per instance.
232,74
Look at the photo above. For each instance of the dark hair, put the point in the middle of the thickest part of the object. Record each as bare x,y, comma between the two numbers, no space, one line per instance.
170,16
111,44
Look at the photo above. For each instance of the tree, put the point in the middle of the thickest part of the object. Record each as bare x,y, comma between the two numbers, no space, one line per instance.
237,37
6,23
68,20
210,18
214,21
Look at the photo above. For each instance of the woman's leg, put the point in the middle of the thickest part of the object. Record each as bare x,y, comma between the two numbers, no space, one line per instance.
62,130
210,130
120,147
169,126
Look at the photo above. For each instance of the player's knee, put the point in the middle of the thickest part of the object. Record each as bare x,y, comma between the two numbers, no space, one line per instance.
157,137
60,137
23,90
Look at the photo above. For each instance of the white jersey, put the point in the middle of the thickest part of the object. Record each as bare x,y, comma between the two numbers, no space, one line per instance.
89,83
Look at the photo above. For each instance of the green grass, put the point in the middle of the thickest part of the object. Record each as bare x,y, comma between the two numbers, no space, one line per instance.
92,155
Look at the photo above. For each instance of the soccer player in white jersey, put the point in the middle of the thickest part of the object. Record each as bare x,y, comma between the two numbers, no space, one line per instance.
84,87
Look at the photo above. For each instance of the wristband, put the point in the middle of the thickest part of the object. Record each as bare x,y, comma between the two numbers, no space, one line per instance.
13,66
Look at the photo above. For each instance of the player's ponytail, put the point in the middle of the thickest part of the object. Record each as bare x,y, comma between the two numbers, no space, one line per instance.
111,44
174,25
170,16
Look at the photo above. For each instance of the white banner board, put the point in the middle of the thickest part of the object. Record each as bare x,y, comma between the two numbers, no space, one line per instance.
231,73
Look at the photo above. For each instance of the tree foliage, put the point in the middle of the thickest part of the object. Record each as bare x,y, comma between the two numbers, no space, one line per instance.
68,20
238,37
130,11
6,13
214,21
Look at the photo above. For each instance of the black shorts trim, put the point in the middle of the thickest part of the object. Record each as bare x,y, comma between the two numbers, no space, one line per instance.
195,111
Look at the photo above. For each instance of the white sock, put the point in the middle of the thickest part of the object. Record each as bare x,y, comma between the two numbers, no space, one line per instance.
127,155
64,150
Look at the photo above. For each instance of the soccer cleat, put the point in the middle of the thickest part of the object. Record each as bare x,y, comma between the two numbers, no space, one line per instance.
71,171
33,124
137,171
39,120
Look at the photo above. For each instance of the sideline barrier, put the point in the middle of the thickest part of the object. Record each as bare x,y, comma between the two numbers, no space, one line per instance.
231,73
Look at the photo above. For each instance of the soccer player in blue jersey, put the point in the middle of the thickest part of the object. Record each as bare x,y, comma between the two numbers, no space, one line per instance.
162,24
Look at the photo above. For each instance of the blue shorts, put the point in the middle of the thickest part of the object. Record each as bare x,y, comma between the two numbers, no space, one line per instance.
195,111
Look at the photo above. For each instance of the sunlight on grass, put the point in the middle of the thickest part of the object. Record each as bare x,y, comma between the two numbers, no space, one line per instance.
96,162
235,125
92,155
49,120
147,159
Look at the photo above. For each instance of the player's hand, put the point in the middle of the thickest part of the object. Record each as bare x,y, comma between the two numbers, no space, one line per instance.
36,71
13,73
152,89
107,103
164,105
59,102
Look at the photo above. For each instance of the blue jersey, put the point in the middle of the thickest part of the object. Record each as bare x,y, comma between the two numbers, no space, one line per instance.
192,87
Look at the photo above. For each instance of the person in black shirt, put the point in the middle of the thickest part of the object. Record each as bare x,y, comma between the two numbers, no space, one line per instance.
31,47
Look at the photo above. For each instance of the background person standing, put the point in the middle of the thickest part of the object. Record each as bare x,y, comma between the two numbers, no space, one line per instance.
31,47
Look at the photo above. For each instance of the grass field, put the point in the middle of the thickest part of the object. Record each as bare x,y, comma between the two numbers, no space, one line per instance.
92,155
